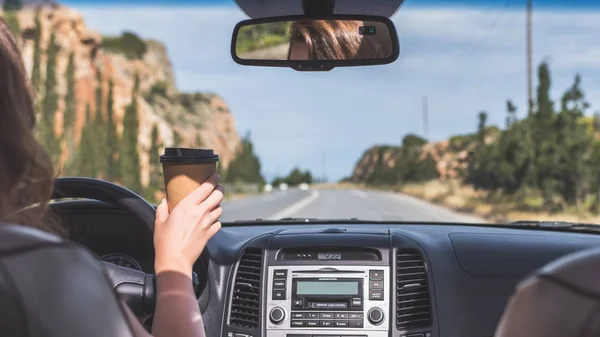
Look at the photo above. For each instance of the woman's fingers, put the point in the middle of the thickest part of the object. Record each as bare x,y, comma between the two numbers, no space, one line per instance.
215,214
201,193
212,230
162,212
214,199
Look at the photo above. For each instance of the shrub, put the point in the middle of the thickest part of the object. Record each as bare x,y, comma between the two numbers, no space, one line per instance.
128,44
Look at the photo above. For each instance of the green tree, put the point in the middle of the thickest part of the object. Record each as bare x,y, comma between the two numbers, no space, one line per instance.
12,5
245,167
11,9
113,167
50,103
156,177
70,99
11,19
130,159
574,162
69,116
297,177
86,154
176,139
101,126
482,118
36,72
511,114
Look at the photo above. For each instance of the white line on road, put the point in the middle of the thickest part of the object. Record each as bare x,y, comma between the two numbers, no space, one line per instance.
296,207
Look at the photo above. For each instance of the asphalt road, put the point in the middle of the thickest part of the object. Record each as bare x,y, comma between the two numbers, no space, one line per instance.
339,204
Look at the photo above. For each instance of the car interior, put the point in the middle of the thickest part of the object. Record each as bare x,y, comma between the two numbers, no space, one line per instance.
300,277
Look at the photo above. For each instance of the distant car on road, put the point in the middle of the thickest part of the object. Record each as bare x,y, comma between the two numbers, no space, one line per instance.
268,188
283,187
303,187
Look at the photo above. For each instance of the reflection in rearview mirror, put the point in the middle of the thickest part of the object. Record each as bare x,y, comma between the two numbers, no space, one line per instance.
306,39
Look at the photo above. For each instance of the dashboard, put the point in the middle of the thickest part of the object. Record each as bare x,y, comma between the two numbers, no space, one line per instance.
345,279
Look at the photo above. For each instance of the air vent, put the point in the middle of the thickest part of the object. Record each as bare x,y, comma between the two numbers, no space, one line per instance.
246,290
413,308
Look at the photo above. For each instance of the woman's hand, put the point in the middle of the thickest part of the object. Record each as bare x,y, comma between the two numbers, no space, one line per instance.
180,237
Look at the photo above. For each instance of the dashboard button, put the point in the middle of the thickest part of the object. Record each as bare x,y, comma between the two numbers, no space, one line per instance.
326,323
279,283
341,315
297,315
298,323
375,316
357,302
327,315
355,323
312,323
298,303
311,315
278,294
376,295
341,323
355,316
277,315
280,273
376,274
376,285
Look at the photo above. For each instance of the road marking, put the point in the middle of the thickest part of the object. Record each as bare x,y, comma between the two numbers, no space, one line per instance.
296,207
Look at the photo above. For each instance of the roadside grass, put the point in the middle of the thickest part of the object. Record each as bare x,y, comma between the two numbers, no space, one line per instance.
493,207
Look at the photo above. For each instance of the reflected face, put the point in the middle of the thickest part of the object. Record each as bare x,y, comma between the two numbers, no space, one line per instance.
299,51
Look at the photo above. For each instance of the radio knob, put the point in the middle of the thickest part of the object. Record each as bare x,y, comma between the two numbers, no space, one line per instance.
375,316
277,315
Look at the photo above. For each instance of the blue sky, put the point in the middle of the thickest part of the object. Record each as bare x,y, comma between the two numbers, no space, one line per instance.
463,55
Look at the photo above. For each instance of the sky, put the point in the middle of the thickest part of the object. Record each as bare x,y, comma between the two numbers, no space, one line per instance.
461,56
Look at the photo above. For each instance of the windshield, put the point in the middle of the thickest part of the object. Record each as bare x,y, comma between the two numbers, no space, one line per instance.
480,119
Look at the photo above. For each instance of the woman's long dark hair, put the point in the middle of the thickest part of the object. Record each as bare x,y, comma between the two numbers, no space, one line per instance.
334,40
26,174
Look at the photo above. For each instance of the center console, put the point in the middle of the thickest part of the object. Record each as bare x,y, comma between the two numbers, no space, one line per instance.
326,299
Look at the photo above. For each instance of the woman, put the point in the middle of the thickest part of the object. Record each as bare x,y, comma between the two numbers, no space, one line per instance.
332,40
26,179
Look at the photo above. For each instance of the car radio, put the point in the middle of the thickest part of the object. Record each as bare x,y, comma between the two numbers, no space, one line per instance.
321,300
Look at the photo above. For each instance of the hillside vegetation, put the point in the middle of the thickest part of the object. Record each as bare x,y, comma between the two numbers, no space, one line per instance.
545,163
106,107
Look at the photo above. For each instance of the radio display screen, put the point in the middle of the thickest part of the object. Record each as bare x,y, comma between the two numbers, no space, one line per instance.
308,288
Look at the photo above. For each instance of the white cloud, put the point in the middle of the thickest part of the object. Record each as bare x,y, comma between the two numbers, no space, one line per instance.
464,60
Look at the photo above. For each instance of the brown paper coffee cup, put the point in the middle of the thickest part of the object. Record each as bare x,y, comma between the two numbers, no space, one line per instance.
186,169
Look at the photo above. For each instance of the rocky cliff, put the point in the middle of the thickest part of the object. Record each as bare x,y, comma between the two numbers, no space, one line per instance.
190,119
450,157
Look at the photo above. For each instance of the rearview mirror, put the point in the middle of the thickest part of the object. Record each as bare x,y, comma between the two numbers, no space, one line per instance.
315,44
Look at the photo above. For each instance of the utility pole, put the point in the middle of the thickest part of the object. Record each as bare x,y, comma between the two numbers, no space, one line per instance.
529,60
425,119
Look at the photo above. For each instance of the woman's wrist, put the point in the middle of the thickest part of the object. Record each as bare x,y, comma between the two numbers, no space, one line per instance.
172,264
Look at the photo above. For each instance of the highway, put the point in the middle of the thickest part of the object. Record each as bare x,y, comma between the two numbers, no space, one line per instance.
339,204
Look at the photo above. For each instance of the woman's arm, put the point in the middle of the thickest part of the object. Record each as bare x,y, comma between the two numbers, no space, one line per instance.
177,311
180,236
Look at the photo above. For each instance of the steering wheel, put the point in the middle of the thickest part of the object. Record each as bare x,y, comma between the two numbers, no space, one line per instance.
134,287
